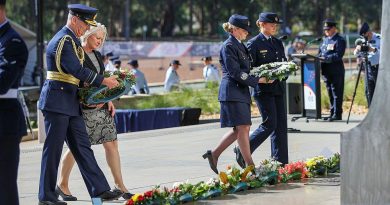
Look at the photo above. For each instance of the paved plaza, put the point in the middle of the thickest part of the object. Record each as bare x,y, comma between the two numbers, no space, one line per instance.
169,155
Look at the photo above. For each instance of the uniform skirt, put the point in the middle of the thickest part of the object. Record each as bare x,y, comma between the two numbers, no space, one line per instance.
235,114
100,125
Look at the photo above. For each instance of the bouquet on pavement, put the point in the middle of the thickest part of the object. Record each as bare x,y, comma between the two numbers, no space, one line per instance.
275,70
95,95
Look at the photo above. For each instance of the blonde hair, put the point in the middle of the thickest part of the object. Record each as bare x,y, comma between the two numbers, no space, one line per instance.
93,30
228,27
259,24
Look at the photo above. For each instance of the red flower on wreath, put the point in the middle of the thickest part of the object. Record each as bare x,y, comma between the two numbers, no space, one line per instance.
130,202
292,168
141,198
123,75
148,194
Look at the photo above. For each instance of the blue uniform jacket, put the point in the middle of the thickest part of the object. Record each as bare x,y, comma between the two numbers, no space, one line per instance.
332,49
61,97
235,62
13,59
263,52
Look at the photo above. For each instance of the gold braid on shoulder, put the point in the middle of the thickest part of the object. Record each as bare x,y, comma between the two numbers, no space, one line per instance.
78,51
61,75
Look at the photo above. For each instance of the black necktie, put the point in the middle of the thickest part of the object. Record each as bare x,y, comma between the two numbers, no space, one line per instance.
270,41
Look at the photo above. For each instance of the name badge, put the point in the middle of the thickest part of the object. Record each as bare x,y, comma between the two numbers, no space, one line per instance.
330,47
263,51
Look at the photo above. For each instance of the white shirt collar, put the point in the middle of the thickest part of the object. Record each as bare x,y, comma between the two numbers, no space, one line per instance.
71,31
266,36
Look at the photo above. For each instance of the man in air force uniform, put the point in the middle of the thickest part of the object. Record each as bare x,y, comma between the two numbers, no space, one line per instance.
61,108
331,51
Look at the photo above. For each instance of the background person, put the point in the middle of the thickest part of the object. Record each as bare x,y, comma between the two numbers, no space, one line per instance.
210,71
331,51
374,43
117,64
296,47
108,64
141,86
172,79
13,60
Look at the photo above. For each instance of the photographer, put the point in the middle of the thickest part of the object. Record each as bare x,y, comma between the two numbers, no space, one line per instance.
369,46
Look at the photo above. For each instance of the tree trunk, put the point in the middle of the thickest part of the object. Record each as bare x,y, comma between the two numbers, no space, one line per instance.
168,22
213,17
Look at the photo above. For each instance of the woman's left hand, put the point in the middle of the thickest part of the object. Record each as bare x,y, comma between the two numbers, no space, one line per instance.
111,108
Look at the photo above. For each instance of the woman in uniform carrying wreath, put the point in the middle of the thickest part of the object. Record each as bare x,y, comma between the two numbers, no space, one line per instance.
234,94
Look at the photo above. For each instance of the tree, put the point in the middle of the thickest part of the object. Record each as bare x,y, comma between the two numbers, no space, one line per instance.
171,18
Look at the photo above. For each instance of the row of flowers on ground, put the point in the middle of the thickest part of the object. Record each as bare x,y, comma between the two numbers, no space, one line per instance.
269,172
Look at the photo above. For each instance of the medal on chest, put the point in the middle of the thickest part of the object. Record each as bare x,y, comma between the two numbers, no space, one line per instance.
330,47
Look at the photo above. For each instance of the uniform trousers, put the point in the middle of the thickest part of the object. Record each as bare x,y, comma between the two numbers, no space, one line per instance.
9,163
335,87
273,113
71,129
370,81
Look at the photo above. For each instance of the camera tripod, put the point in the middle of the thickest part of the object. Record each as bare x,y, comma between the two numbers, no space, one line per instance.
362,65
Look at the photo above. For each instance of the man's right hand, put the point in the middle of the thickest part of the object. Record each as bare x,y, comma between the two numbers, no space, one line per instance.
110,82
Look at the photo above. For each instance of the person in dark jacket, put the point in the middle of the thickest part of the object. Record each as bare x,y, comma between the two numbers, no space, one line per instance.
13,59
331,51
60,106
234,94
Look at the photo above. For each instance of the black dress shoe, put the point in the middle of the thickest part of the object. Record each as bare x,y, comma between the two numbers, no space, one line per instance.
65,197
239,158
209,156
110,195
52,203
127,196
333,118
328,117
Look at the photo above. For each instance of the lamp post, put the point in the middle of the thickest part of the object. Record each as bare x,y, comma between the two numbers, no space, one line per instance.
39,42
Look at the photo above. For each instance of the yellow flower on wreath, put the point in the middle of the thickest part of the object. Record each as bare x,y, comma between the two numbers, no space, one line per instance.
135,197
313,161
